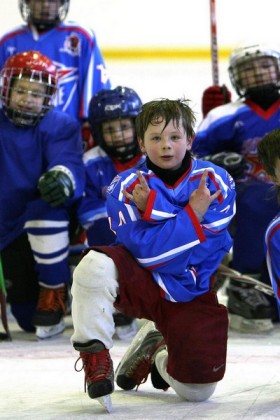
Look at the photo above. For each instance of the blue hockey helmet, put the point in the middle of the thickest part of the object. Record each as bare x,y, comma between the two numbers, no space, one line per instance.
113,104
33,12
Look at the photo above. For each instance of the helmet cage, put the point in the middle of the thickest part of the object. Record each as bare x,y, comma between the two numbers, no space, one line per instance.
108,105
245,55
25,118
27,14
36,68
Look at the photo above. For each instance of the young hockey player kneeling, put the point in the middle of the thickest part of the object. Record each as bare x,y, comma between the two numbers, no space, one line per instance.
170,216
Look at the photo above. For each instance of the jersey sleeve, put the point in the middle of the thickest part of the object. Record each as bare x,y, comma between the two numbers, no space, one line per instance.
93,204
147,240
175,231
95,73
63,147
219,131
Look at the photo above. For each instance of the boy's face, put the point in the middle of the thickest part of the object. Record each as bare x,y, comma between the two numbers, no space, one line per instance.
165,147
258,72
27,96
44,9
117,133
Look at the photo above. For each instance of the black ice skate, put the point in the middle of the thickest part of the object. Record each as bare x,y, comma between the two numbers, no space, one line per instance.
99,372
249,309
138,360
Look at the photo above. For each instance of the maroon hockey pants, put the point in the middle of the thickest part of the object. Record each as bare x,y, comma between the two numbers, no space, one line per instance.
195,332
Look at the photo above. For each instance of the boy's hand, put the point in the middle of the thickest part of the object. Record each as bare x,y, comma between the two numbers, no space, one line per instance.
140,194
201,198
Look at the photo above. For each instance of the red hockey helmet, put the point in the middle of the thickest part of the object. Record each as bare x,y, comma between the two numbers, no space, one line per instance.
36,68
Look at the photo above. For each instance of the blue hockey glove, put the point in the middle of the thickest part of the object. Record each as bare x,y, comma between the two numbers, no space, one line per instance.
55,187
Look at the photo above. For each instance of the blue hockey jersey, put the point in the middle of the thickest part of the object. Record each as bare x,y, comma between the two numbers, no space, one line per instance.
100,171
272,251
75,52
181,252
238,127
27,153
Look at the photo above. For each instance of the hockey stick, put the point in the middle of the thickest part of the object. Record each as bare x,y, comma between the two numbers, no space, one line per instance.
226,271
7,334
214,43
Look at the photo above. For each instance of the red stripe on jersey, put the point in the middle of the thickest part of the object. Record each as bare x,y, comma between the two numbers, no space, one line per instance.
195,223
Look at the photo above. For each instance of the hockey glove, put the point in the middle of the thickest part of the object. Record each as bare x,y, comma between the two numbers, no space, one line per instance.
214,96
232,162
55,187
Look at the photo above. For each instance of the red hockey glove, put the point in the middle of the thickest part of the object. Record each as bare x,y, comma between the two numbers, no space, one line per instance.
214,96
88,141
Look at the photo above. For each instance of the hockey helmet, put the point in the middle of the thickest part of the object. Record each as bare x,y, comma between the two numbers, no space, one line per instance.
112,104
33,13
36,68
241,68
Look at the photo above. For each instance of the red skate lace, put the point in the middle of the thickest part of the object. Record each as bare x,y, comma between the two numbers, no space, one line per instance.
97,366
50,300
140,369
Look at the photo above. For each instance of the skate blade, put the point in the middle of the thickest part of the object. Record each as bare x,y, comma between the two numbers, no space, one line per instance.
43,333
106,402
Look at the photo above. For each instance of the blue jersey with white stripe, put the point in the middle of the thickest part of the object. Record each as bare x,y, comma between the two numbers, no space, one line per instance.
28,152
272,250
237,127
75,52
168,239
100,170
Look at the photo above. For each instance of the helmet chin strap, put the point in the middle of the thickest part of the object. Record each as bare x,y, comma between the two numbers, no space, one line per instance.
22,119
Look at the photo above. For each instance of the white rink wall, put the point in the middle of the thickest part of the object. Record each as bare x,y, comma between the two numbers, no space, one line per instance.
166,23
161,48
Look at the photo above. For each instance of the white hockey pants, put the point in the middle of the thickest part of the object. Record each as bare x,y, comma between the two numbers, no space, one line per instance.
94,291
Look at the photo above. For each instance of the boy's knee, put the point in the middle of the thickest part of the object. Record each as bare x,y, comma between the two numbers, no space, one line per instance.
198,392
95,270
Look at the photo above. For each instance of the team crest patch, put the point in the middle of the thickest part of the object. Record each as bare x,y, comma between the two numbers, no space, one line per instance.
113,184
72,44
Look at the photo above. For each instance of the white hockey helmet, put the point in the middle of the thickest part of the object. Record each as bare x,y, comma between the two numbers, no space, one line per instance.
241,67
32,12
